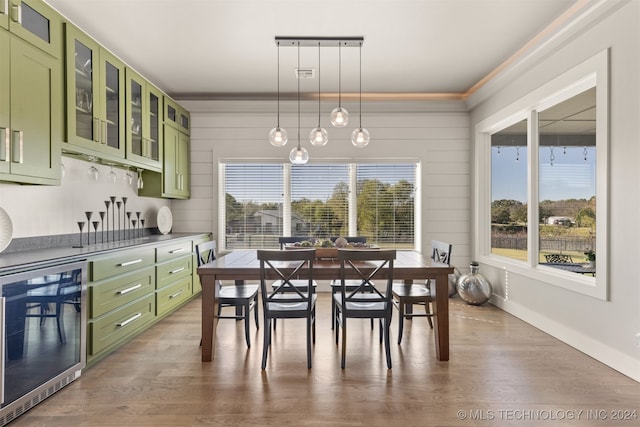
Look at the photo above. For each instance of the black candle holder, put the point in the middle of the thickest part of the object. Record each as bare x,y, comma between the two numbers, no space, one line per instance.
88,214
142,227
124,210
138,216
107,203
80,226
113,217
118,204
95,231
133,221
129,223
102,213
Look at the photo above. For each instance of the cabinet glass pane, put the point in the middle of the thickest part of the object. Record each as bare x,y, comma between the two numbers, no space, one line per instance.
171,113
184,121
154,117
112,106
136,118
84,91
35,22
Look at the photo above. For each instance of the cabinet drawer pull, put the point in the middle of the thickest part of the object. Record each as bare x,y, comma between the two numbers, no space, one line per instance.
175,251
17,146
128,263
129,320
177,270
132,288
181,291
4,144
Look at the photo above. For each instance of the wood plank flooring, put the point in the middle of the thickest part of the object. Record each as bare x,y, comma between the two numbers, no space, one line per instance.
502,372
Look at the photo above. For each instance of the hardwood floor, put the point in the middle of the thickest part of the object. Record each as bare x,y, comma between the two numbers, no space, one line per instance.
502,372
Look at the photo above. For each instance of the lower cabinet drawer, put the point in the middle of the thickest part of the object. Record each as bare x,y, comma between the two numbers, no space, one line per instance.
172,295
113,293
122,262
172,271
120,323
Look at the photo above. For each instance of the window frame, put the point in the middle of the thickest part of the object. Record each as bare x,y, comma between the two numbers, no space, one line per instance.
591,73
287,196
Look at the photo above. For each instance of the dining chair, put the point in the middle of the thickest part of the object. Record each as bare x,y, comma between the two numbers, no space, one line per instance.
59,291
407,295
287,300
242,297
366,301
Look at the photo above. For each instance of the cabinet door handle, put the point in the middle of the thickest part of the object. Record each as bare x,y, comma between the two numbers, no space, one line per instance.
177,270
17,142
176,294
132,288
128,263
96,130
4,144
16,13
175,251
104,132
129,320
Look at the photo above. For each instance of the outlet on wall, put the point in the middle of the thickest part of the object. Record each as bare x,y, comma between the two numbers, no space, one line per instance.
638,340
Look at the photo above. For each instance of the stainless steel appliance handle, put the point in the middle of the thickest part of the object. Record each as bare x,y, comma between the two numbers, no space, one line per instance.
3,302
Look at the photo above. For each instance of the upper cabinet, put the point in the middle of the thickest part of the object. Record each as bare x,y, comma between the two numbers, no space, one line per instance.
177,116
31,99
35,22
95,98
144,118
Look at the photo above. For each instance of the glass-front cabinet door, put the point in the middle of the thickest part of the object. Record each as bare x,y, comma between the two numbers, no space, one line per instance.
35,22
95,96
144,110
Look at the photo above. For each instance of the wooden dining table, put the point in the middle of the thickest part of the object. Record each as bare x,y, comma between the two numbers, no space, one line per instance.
242,264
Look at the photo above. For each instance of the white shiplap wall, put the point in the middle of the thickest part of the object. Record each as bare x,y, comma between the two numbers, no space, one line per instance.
435,133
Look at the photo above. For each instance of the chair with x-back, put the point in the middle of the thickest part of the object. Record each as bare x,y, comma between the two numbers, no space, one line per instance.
366,301
287,300
405,295
242,297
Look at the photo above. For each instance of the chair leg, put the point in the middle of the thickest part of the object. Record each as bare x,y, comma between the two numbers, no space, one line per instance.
427,310
333,310
387,341
247,323
400,321
344,342
60,322
309,326
255,308
266,342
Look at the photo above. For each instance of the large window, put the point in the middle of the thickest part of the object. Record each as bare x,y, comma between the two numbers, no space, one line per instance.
260,202
541,164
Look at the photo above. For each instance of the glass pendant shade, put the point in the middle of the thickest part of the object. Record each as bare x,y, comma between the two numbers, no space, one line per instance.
299,156
278,137
319,137
339,117
360,137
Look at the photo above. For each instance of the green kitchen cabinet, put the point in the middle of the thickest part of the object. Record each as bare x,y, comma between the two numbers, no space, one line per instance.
144,119
177,116
176,164
95,98
35,22
30,113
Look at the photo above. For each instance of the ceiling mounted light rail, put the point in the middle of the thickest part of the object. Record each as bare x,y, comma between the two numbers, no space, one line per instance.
339,116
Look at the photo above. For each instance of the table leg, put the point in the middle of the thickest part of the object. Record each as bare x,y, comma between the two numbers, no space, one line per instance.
209,320
441,316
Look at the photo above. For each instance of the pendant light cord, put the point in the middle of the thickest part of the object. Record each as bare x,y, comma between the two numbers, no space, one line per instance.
360,85
318,84
298,76
340,74
278,84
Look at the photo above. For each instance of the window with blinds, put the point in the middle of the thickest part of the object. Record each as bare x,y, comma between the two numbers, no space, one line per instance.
260,202
386,204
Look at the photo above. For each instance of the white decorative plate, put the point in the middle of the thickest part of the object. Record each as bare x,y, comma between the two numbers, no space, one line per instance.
165,220
6,230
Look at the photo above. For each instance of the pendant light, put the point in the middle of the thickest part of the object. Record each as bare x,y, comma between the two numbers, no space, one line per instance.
360,136
299,155
278,136
339,116
318,135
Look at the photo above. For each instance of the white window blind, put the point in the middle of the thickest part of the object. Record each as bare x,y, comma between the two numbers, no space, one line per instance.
386,204
320,200
260,202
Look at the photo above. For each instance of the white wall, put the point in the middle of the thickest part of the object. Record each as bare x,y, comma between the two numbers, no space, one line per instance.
606,330
435,133
50,210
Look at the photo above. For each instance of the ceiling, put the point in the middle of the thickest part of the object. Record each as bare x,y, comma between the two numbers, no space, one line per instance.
225,49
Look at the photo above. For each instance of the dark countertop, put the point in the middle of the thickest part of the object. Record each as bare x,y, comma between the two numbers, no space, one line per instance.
14,262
